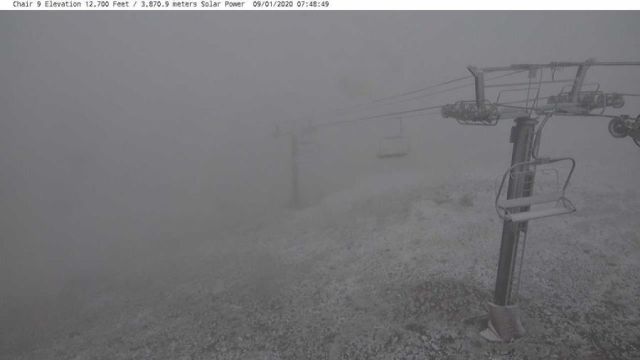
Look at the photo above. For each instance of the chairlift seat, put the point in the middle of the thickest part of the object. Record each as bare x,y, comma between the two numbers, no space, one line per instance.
520,209
531,200
530,215
393,146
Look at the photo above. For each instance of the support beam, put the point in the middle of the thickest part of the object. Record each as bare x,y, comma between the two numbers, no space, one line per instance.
479,82
504,321
579,80
522,135
295,181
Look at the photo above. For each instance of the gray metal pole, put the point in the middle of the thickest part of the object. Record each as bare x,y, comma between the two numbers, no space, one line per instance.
295,186
520,185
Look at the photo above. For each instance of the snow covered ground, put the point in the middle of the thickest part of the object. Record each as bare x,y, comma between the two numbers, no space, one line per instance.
398,271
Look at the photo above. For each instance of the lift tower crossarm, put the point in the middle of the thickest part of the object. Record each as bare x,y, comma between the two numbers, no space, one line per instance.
480,111
558,64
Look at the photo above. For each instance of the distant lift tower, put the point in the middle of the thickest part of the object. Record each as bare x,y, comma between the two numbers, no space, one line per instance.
521,203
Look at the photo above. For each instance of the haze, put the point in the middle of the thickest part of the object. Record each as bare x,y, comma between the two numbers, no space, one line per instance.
127,139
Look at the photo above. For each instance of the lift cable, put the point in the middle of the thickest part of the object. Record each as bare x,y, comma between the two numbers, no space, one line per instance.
377,101
341,122
513,106
451,89
347,109
527,83
423,89
446,83
388,99
379,116
519,101
398,113
504,75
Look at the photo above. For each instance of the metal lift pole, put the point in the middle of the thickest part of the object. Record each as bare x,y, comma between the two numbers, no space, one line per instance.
504,321
295,183
520,185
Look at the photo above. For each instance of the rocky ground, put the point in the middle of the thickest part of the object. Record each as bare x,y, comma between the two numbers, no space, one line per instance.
400,273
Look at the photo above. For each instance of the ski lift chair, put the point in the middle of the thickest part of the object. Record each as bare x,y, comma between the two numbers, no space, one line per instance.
551,203
395,145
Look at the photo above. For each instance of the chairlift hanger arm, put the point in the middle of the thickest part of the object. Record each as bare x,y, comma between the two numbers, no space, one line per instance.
577,82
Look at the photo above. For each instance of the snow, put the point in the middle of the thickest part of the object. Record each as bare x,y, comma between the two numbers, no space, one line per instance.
396,268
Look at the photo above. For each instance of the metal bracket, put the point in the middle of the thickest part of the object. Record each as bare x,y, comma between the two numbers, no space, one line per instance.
504,323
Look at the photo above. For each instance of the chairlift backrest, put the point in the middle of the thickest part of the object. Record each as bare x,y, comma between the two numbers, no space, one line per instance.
522,209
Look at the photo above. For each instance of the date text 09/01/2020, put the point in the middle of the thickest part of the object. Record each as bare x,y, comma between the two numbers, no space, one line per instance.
290,4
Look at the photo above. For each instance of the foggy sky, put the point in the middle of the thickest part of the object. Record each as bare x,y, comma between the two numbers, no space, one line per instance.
124,132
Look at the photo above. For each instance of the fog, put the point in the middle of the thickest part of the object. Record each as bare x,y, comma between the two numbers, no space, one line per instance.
127,138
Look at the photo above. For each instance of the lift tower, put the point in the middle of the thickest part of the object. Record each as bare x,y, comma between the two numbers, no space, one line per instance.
520,205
